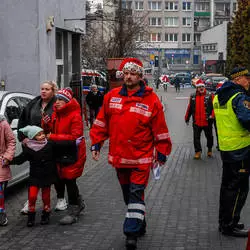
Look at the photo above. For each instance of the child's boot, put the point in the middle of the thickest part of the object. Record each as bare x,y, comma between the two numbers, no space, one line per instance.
31,219
45,218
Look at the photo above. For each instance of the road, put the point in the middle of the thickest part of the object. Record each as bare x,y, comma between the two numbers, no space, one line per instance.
182,207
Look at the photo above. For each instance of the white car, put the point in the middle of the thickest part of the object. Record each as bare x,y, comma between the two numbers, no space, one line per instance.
11,106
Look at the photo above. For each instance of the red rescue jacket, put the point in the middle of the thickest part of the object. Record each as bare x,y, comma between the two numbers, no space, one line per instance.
135,126
67,124
200,107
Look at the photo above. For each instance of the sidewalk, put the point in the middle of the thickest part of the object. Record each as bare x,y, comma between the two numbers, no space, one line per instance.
181,208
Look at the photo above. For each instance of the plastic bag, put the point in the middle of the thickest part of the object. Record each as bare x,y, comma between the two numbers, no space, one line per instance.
156,170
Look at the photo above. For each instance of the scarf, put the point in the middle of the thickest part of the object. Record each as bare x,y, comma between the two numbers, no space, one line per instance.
36,145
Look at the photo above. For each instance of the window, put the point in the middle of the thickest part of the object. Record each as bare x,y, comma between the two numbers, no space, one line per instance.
59,45
209,47
202,7
139,37
12,110
171,21
186,6
186,37
154,21
153,5
155,37
171,37
197,37
128,5
138,5
171,6
186,21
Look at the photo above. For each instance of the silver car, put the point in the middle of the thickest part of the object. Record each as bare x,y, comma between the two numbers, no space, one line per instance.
11,106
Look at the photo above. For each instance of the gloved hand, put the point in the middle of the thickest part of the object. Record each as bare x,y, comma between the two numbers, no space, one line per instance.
79,140
46,119
187,123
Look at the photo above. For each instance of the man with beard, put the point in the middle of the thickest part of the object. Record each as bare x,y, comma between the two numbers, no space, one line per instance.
132,118
200,107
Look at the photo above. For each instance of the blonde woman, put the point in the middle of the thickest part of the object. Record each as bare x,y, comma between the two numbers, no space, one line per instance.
38,109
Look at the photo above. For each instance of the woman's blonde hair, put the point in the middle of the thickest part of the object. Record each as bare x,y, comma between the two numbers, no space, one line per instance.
53,85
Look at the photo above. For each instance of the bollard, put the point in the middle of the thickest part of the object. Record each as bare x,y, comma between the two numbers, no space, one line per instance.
248,241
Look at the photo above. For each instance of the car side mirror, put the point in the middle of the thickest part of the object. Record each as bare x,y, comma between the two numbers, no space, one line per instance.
14,124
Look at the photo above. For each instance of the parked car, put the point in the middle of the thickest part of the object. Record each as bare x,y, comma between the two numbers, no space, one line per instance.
211,81
11,106
184,77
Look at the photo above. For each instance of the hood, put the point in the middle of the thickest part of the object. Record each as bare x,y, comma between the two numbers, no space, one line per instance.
227,90
69,107
2,118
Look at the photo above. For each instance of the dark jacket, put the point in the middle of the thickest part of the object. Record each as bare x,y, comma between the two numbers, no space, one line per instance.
94,100
43,170
241,107
32,115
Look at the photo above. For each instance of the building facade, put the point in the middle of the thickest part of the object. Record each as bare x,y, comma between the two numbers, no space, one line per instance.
174,30
40,40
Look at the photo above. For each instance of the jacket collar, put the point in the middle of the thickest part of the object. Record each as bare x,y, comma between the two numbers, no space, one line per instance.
139,92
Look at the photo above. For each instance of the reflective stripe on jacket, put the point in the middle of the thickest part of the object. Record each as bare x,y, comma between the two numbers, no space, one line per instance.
135,125
231,134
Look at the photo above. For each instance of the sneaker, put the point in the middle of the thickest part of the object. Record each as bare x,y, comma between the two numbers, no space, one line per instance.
25,208
61,204
3,219
197,155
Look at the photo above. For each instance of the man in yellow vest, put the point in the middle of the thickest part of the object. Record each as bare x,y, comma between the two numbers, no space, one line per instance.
232,113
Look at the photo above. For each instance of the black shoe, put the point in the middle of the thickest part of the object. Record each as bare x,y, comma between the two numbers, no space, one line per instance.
31,219
239,226
131,243
45,218
235,232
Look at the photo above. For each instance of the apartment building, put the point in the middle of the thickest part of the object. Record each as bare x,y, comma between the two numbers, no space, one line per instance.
174,29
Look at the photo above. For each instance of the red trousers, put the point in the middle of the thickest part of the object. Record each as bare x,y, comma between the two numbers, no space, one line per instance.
33,192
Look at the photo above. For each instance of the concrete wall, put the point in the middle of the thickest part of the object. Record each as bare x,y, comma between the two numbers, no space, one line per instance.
27,51
216,35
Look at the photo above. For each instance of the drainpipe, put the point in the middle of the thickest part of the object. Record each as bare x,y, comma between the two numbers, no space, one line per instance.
211,13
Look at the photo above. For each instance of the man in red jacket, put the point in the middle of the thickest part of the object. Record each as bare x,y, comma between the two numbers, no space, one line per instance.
200,107
132,118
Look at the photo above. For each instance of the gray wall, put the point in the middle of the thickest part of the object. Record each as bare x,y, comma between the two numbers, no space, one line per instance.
27,51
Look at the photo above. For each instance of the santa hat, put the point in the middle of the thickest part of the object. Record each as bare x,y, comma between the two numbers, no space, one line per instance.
66,94
199,83
131,64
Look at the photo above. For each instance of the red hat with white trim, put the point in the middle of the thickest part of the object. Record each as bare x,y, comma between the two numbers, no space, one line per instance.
199,83
65,94
130,64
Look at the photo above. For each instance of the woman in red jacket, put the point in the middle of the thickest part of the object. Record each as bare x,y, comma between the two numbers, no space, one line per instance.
66,124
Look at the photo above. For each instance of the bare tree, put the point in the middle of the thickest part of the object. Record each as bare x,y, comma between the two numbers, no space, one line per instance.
112,36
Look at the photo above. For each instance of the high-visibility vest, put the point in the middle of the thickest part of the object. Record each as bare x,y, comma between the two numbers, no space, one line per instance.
231,134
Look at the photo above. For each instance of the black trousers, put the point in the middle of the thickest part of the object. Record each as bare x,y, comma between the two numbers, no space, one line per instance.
233,192
208,130
72,190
